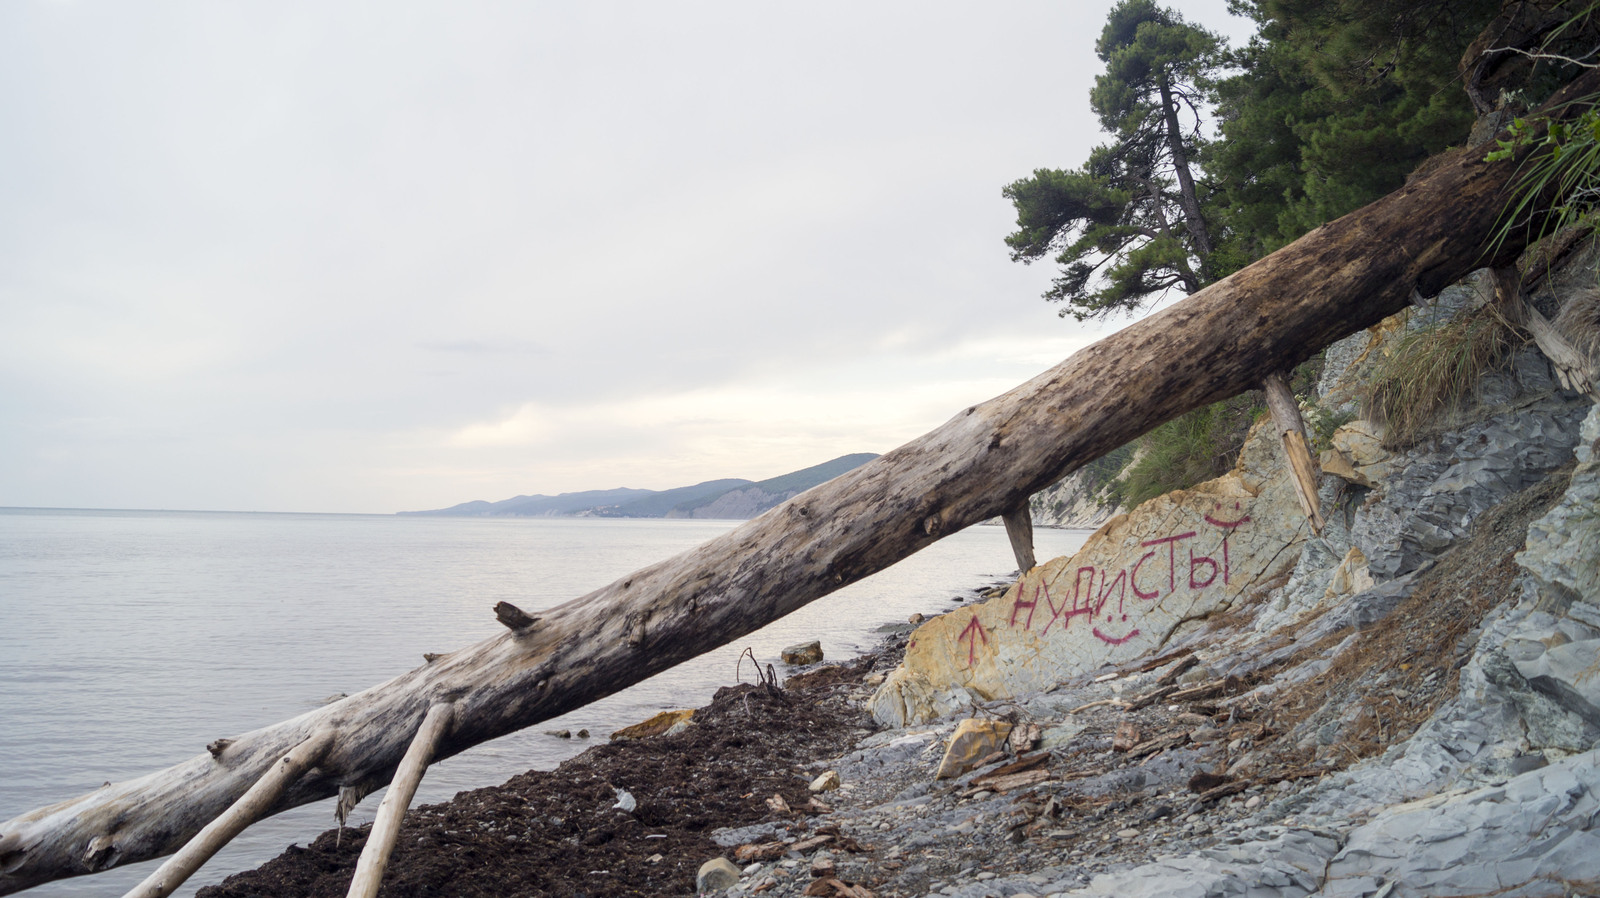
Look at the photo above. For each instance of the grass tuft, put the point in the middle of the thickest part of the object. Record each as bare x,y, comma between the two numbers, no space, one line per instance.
1187,450
1579,321
1434,370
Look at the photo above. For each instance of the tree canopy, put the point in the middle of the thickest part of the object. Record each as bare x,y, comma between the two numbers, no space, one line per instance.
1219,156
1330,106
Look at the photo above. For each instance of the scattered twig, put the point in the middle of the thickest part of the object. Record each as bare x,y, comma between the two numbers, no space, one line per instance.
766,679
1224,790
1150,698
1547,56
1101,703
1161,743
1164,660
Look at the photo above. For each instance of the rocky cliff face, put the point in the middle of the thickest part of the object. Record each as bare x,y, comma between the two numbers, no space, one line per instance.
1432,658
1073,501
739,504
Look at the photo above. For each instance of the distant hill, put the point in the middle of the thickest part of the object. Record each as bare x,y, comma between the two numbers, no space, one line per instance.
727,498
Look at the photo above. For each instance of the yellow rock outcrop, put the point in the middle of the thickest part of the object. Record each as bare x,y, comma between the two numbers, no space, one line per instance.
1174,559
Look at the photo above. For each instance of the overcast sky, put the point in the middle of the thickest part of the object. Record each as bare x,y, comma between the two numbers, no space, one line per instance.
366,257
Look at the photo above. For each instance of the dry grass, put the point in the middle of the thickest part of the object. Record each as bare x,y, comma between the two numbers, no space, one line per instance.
1432,372
1579,322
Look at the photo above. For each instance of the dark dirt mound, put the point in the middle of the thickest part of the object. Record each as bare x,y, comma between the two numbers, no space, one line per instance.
557,832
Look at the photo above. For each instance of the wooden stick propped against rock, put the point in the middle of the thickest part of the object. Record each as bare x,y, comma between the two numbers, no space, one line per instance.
1296,448
1019,527
386,826
1574,369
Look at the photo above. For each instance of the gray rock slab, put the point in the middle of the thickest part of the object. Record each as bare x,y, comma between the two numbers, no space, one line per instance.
1288,866
1569,674
727,837
1534,833
1448,481
1563,549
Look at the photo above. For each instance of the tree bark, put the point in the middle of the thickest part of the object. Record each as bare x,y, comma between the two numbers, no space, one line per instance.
985,461
247,810
1188,197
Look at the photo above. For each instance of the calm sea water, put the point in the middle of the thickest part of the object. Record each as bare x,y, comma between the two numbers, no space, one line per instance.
129,640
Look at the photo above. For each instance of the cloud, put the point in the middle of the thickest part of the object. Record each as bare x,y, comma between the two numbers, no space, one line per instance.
338,256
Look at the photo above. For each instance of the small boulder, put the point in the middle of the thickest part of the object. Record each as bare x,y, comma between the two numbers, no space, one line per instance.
973,741
655,726
1025,738
803,653
826,782
1126,736
715,874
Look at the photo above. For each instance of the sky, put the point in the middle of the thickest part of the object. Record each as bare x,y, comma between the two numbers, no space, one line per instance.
371,257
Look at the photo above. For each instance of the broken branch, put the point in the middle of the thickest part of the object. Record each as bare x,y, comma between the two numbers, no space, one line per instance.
386,826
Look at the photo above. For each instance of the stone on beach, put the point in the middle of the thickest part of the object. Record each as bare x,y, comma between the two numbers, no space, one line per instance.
717,873
973,741
803,653
655,726
827,782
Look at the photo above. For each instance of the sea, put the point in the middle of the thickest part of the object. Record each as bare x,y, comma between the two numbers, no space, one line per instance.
131,639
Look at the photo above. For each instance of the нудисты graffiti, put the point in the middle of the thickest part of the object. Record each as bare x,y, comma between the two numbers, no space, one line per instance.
1094,589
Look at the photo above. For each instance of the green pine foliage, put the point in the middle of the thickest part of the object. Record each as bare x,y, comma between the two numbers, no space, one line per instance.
1331,106
1205,443
1187,450
1218,157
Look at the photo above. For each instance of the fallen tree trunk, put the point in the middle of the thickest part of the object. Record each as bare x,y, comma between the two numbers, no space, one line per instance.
983,463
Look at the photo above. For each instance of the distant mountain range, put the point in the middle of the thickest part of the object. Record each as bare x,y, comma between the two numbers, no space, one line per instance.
729,498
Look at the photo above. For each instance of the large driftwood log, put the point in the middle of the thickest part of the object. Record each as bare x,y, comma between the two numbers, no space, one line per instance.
984,462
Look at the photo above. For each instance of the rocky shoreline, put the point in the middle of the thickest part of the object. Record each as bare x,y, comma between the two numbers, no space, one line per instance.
1124,788
1172,776
1402,703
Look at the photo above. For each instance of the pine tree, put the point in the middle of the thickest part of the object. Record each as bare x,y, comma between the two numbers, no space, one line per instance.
1130,224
